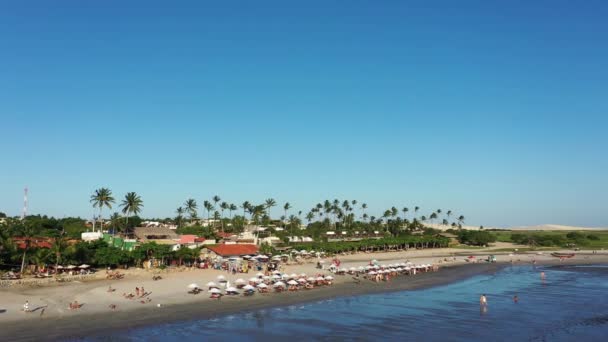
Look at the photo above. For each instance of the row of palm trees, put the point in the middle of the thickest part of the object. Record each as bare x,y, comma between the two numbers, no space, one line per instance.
344,212
216,208
336,211
130,205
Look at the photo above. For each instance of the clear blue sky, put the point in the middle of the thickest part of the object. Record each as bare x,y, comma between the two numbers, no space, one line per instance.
493,109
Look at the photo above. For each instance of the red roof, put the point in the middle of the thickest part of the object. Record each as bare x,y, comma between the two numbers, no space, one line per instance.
225,235
234,250
187,239
34,242
199,239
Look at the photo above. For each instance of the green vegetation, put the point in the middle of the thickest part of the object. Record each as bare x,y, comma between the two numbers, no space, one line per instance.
385,244
476,237
579,239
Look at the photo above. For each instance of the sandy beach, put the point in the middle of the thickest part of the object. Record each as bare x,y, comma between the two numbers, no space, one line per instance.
51,318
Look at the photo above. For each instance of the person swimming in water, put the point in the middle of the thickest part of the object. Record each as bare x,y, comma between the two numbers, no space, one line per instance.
515,299
483,301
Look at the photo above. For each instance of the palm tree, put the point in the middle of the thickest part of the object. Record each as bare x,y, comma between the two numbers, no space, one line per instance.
310,216
269,204
433,216
364,208
191,207
209,207
58,248
405,210
27,232
180,216
223,206
246,206
416,210
460,220
232,207
286,207
257,212
132,204
102,197
216,199
115,222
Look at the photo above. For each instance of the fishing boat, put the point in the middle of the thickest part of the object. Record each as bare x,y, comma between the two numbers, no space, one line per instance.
563,255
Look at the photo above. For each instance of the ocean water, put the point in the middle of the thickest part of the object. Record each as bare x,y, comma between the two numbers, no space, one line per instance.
571,304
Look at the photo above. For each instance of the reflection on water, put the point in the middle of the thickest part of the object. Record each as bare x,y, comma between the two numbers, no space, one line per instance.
570,303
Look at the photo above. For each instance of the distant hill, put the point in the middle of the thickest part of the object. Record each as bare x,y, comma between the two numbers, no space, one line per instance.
555,227
537,227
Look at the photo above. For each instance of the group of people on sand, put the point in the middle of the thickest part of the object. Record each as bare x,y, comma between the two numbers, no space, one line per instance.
140,294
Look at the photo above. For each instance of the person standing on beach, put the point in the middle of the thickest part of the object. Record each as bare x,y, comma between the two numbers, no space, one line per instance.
26,306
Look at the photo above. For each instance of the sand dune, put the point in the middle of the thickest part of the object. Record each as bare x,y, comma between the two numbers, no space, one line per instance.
537,227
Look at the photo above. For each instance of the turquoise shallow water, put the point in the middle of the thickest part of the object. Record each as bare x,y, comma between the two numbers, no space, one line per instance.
571,304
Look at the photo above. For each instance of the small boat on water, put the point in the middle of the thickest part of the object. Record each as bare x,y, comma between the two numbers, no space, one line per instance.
563,255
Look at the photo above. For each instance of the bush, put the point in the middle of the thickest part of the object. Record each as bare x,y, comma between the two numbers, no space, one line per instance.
476,237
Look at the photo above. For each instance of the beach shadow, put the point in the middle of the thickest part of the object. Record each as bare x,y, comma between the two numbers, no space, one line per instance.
39,308
2,311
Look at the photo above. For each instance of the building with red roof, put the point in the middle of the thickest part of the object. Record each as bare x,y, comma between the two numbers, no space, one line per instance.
34,242
232,250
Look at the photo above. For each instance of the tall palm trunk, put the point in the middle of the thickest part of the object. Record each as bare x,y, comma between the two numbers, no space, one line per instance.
23,259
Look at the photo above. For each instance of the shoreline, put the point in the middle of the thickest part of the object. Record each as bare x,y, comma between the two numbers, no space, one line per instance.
59,328
98,323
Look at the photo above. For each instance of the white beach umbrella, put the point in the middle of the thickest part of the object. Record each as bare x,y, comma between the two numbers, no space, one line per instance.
193,286
276,276
84,266
262,286
310,279
301,280
266,277
248,287
293,275
221,278
276,272
231,289
302,274
320,278
215,290
361,268
239,281
292,282
211,284
254,279
329,278
372,272
279,284
353,269
71,267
